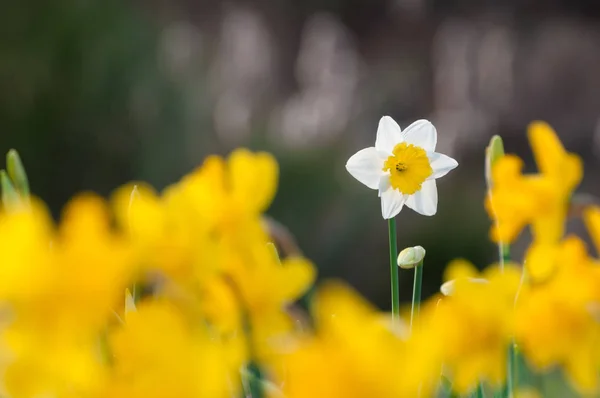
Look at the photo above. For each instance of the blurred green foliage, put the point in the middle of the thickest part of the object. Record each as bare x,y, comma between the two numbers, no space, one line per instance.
69,70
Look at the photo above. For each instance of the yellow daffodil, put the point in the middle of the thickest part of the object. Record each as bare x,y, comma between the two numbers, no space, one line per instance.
158,353
215,314
516,200
403,166
267,286
474,325
557,320
352,354
206,233
79,273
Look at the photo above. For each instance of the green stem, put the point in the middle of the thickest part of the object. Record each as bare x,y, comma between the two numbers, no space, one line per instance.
511,368
252,376
394,270
505,253
511,371
416,299
479,392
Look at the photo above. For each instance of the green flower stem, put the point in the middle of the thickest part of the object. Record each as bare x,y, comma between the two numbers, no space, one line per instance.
511,371
479,392
504,254
394,270
416,298
511,368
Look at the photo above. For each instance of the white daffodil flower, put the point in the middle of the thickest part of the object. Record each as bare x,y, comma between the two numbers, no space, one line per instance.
403,166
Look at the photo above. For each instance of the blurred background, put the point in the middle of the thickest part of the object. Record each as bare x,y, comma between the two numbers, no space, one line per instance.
97,93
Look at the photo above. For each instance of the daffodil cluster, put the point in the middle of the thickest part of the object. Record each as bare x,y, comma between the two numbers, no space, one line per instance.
183,293
211,293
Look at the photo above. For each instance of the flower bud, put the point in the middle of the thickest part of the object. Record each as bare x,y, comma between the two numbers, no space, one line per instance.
493,152
16,172
411,257
10,197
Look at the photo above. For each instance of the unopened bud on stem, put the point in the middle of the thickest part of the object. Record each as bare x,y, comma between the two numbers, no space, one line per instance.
411,257
16,172
493,152
10,197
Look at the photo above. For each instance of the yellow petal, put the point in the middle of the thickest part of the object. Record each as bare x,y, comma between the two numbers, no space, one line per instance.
135,212
571,171
253,178
550,227
547,148
540,261
220,306
582,370
84,214
460,268
144,217
297,277
337,300
551,157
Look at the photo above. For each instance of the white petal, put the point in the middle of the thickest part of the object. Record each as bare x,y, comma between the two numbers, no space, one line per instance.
422,134
384,183
366,166
388,135
424,201
392,201
441,164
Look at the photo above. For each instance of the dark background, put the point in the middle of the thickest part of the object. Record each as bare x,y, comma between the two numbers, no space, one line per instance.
97,93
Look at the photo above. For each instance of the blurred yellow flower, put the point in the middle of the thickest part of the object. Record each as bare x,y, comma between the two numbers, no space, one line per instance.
215,312
158,353
557,319
352,354
77,275
473,326
541,200
206,233
266,287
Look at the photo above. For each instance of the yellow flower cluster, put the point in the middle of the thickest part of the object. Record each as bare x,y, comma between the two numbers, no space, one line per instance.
209,312
556,318
216,300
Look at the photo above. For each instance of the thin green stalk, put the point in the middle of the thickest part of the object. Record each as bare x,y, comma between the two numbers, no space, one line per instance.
511,366
504,254
252,377
511,371
479,392
416,298
394,270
